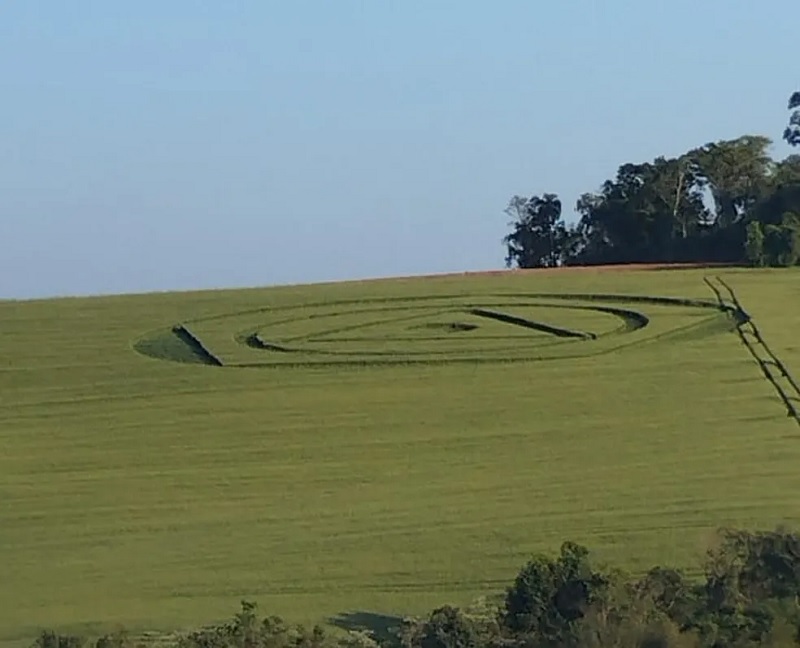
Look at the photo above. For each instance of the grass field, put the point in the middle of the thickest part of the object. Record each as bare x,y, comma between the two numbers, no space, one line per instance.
400,445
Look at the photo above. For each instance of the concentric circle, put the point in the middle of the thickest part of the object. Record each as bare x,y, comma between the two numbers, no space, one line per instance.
430,328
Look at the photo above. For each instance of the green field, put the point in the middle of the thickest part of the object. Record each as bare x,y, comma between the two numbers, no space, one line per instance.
400,446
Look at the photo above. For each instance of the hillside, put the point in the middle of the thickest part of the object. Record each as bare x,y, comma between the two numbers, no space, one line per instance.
393,445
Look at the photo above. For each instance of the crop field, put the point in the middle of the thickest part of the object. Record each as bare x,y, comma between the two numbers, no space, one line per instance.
382,447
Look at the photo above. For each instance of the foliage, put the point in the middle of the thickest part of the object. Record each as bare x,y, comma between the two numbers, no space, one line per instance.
50,639
549,596
737,173
248,630
697,207
646,207
539,236
446,627
754,244
792,132
782,241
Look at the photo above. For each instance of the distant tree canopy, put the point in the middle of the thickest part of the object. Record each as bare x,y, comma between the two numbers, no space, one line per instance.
538,236
726,201
792,132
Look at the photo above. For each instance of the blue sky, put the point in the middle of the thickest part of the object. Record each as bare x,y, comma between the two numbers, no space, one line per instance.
158,145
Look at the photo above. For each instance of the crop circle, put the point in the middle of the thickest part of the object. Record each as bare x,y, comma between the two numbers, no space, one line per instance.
416,329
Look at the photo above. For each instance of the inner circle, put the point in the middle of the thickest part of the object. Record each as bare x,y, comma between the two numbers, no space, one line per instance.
442,328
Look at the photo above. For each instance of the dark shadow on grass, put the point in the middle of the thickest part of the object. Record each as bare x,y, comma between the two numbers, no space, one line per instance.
196,344
255,341
383,627
526,323
450,327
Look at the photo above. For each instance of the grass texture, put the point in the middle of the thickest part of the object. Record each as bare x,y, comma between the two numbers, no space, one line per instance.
379,447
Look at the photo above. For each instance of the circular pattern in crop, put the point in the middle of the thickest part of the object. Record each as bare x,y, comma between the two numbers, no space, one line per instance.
431,329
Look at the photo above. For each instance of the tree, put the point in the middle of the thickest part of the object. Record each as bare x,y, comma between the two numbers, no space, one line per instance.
50,639
754,245
647,213
636,614
446,627
549,596
782,241
751,580
670,594
674,185
539,236
792,132
787,172
736,173
783,195
724,201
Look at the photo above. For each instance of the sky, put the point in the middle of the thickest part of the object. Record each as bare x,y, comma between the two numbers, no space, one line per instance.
150,145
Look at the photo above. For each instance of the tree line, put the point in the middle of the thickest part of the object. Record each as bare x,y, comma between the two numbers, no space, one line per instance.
748,595
723,202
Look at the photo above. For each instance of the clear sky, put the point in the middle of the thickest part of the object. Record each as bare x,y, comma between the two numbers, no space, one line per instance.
156,145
